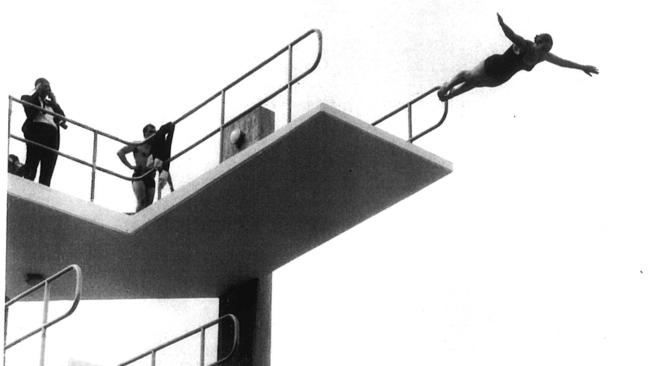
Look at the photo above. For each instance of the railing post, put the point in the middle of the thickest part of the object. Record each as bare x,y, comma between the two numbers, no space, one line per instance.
46,303
289,83
223,120
94,168
153,358
410,116
4,346
202,359
9,124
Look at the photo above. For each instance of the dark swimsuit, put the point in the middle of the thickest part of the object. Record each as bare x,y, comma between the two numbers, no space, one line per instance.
149,179
502,67
160,149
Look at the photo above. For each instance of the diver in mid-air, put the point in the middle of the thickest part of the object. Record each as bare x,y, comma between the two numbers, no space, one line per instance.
497,69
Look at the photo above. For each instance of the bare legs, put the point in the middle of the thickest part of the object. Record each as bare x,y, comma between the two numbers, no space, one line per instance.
163,178
450,89
143,195
465,81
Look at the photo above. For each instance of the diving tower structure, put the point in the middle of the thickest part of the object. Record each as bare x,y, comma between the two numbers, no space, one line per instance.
281,194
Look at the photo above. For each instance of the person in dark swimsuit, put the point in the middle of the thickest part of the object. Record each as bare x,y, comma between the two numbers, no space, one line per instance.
497,69
161,145
143,188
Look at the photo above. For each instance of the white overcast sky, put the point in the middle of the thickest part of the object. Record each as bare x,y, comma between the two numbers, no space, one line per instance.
535,250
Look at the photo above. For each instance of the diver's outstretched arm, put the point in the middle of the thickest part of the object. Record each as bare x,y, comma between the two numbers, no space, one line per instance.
555,60
512,36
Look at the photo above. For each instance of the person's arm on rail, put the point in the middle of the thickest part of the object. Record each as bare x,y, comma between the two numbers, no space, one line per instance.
161,146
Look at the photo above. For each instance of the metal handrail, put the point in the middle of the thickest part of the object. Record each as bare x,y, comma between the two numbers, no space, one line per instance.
288,86
290,81
82,162
46,299
78,124
152,352
409,106
211,98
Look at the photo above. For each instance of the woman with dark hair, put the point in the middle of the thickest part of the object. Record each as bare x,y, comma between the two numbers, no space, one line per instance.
497,69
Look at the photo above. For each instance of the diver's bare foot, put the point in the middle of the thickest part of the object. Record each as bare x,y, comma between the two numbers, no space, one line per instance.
442,93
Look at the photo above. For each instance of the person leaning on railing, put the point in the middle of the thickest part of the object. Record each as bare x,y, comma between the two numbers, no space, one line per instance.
161,145
42,128
153,152
144,187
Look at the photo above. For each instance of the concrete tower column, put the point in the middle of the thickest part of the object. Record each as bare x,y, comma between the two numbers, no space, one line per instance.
250,302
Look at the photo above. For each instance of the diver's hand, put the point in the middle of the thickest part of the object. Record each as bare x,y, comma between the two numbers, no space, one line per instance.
163,178
157,163
588,69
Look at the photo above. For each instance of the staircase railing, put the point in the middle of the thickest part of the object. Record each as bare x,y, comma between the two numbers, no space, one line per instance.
46,301
291,80
409,107
154,351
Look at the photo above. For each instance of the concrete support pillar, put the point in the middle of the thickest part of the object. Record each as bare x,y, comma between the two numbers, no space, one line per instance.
250,302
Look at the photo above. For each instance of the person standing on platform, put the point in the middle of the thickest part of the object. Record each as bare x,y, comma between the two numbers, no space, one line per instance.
43,128
161,145
144,187
153,153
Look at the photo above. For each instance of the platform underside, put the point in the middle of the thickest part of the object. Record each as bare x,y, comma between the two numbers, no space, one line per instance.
292,191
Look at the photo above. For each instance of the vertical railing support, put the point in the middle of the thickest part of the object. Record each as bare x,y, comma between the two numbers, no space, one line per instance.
92,178
202,362
46,305
410,116
289,84
4,345
153,358
223,121
9,124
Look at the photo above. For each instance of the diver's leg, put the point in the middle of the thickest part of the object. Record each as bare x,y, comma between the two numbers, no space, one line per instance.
150,194
140,192
472,79
465,87
461,77
171,185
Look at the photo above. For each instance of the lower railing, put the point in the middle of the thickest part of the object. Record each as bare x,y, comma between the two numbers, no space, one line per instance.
154,351
409,107
45,284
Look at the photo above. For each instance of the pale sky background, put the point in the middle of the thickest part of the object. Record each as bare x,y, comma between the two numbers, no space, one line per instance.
534,251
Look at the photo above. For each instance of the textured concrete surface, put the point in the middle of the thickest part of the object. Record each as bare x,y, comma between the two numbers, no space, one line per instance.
253,127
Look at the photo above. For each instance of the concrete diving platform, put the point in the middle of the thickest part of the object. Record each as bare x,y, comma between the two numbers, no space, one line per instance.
288,193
